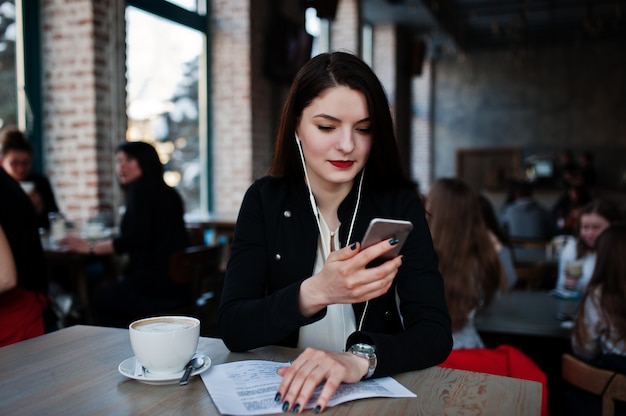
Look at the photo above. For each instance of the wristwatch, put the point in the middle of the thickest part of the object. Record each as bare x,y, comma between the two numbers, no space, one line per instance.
365,351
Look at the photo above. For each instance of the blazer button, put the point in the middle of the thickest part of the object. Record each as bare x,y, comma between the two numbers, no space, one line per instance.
277,257
287,214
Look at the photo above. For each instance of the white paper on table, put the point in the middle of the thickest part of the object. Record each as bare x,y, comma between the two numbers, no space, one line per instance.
249,387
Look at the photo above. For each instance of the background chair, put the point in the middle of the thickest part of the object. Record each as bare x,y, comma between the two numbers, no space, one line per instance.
608,385
504,360
533,268
200,266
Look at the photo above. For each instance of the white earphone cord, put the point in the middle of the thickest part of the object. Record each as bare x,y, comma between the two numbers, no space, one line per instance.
314,208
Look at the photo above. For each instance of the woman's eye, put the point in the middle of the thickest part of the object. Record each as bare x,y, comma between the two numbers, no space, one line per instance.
325,128
365,130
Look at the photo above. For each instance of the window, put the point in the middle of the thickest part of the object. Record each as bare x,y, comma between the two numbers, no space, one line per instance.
8,73
186,4
166,93
319,29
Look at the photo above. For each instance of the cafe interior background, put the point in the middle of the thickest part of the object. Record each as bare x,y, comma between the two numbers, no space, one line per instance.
485,90
482,90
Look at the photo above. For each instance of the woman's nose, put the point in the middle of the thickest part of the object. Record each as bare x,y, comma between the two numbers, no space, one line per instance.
346,142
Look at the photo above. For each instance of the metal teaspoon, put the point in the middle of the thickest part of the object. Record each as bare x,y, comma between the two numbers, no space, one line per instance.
195,363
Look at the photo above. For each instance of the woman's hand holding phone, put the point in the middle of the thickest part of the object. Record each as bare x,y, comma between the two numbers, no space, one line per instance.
346,277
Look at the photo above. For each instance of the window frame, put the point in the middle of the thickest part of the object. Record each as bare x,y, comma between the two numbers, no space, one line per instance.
29,102
200,22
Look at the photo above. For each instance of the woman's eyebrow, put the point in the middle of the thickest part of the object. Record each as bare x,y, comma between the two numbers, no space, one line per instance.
331,118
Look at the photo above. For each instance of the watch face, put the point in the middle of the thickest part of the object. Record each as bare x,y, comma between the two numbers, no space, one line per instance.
364,348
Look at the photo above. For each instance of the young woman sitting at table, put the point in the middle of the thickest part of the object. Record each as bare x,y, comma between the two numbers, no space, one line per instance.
599,334
152,228
595,217
472,275
298,276
16,157
469,264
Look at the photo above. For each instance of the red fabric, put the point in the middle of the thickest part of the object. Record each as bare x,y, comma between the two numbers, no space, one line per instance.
21,315
504,360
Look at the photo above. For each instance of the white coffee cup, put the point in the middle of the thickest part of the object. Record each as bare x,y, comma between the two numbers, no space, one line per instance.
164,344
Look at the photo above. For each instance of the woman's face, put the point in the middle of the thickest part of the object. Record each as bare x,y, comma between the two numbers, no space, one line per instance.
591,226
17,163
127,168
335,132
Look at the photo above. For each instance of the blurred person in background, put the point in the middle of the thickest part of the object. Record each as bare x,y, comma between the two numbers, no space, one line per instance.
16,157
151,229
471,270
501,241
587,170
599,334
595,217
566,210
525,218
24,303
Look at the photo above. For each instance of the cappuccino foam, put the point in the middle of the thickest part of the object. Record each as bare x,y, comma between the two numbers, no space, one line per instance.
164,326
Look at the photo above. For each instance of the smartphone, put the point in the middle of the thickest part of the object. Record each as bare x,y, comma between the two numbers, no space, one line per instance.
385,229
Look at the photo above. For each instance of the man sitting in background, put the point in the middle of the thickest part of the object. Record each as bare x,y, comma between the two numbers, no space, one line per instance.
525,218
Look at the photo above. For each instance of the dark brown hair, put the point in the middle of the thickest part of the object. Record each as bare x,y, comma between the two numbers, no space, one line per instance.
12,139
147,158
609,279
329,70
468,261
603,208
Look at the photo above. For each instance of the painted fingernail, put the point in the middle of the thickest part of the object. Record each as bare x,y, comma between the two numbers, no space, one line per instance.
317,409
296,408
394,241
277,397
285,406
353,246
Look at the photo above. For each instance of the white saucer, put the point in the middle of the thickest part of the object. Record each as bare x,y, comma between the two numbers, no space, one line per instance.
127,368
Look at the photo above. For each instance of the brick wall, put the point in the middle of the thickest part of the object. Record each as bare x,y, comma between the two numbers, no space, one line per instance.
230,92
81,94
345,28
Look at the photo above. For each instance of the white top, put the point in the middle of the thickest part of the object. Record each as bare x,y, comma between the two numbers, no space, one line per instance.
602,337
331,332
467,337
569,254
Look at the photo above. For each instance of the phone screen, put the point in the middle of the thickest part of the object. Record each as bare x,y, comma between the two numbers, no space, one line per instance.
385,229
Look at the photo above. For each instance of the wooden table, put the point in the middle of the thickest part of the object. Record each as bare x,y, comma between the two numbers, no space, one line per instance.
532,313
74,371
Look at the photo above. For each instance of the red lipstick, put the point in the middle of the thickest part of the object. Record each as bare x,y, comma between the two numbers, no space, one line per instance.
342,164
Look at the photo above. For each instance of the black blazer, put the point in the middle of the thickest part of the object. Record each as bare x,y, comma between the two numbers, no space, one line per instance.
152,228
274,249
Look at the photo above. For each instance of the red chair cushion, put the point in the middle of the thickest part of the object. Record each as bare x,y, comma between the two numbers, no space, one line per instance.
504,360
21,315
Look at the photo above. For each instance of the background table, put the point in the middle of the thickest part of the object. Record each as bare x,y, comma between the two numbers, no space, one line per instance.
529,320
74,371
533,313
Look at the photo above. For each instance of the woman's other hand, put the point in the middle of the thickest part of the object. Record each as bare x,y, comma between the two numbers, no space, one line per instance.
345,279
312,368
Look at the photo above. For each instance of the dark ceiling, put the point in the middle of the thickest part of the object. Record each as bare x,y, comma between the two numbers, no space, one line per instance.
467,25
